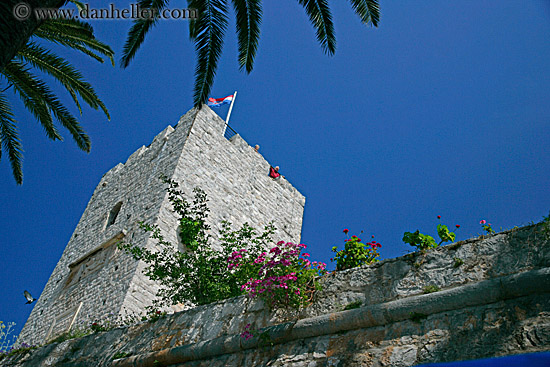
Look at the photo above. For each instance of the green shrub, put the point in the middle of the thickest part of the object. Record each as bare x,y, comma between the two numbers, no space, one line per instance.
355,253
353,305
431,289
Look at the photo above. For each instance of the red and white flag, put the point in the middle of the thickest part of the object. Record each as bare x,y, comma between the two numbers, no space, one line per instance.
215,102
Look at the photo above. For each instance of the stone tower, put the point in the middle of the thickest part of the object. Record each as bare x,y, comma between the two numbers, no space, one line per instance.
94,278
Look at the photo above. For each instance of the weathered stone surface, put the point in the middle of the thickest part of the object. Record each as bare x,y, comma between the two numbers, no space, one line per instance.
489,306
93,278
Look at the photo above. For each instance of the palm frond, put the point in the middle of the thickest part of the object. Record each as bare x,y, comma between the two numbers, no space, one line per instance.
321,18
141,26
69,26
9,140
74,34
368,11
249,18
209,32
79,5
24,84
27,84
64,72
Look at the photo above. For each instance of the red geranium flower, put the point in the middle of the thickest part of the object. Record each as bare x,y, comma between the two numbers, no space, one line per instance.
457,226
346,231
439,217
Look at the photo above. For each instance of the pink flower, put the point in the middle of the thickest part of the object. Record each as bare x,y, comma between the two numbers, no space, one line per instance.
482,221
305,254
346,231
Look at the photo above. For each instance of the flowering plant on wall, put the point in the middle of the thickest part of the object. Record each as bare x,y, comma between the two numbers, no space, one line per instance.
199,274
355,253
286,277
6,340
486,226
424,242
240,264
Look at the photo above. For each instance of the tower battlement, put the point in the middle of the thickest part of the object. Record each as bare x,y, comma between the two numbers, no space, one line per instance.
94,278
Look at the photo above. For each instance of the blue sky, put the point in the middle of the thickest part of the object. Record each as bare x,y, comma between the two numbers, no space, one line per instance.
442,110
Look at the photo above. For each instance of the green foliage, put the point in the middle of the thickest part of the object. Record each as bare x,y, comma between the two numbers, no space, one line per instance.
457,262
285,279
96,327
355,253
486,227
37,96
199,274
153,316
546,226
431,289
444,234
420,241
121,354
207,32
265,339
353,305
424,242
6,339
74,333
417,317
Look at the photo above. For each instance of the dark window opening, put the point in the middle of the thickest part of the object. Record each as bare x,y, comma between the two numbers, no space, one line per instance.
113,214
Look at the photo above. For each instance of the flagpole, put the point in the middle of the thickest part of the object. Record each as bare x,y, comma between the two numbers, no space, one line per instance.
230,108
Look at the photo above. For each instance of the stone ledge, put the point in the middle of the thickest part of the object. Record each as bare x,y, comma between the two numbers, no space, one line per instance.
473,294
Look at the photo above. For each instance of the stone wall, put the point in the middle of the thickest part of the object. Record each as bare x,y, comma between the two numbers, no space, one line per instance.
94,278
494,300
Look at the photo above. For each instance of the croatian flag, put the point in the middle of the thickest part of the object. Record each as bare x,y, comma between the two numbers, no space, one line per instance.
216,102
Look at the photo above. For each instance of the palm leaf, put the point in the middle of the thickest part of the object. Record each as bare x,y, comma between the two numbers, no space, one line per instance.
23,83
321,18
9,140
141,26
209,31
80,5
368,11
73,27
74,34
64,72
27,84
249,18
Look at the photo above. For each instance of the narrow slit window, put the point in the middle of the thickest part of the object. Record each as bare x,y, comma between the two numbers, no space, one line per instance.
113,214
